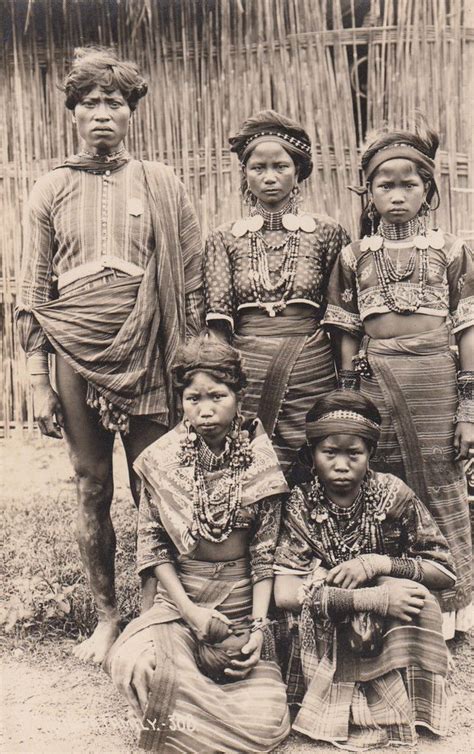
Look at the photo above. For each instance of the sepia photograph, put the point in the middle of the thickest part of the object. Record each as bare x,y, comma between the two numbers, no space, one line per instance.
237,394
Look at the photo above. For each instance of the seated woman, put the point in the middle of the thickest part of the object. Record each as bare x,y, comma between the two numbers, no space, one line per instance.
198,666
356,557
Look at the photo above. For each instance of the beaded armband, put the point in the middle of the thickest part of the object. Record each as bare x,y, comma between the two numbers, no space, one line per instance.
259,623
348,379
465,410
375,565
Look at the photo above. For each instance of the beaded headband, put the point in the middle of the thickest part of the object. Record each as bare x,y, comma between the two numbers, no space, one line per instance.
290,142
344,423
394,151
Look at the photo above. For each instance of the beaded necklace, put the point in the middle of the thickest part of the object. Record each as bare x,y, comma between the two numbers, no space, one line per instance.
259,273
214,511
387,273
347,532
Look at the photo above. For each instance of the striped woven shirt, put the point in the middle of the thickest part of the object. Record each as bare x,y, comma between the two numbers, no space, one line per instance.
76,217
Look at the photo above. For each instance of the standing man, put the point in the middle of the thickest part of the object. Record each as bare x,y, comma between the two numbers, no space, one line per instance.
111,284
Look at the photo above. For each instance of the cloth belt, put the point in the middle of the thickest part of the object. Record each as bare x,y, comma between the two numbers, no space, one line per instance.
91,268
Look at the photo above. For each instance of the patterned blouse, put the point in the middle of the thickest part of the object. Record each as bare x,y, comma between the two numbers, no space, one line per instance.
227,266
407,528
354,292
77,217
165,519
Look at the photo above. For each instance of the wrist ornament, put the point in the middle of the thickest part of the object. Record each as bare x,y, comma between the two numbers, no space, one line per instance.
407,568
375,565
37,363
260,624
335,602
348,379
465,409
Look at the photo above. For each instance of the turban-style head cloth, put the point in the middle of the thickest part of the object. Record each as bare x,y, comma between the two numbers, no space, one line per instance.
343,412
217,359
269,125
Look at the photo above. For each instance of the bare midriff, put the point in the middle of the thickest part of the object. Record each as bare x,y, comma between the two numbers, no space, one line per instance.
291,310
392,324
234,547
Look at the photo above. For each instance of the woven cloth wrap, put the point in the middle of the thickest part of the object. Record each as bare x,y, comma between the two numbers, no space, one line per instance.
214,655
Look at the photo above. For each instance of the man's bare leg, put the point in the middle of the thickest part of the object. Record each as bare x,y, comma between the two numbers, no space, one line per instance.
90,449
142,433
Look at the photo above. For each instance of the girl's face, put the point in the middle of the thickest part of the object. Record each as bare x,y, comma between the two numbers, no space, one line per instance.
341,463
271,175
398,191
210,407
102,119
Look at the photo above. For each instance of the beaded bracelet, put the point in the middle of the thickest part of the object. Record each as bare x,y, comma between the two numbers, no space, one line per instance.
348,379
406,568
465,410
259,624
374,598
375,565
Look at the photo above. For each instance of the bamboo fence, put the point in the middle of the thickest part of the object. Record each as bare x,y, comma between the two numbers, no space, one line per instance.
341,68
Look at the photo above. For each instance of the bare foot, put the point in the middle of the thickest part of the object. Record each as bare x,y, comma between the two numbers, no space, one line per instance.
96,646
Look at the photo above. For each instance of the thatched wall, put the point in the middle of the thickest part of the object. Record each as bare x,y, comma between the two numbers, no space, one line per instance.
341,67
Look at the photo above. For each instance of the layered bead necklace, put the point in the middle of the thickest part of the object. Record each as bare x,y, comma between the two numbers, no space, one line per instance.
346,533
388,274
215,510
259,273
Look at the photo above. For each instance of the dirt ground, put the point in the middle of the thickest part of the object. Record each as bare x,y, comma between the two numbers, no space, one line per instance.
51,703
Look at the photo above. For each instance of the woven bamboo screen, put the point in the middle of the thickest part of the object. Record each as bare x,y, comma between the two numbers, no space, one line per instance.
339,67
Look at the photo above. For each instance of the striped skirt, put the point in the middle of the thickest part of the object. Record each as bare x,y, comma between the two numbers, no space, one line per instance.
286,374
356,703
413,385
188,712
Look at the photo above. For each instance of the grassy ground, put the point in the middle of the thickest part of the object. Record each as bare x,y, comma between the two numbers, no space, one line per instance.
53,703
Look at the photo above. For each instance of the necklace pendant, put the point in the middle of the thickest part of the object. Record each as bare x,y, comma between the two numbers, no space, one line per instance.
435,239
239,228
216,531
375,242
421,242
307,223
290,222
254,223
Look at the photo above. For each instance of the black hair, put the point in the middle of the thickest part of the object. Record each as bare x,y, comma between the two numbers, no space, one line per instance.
425,140
100,66
216,358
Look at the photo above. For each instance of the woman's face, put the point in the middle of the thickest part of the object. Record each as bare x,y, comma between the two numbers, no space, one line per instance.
398,191
271,175
210,407
102,119
341,463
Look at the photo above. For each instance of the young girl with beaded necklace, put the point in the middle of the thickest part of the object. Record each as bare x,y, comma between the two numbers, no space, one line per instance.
266,275
397,300
209,520
356,556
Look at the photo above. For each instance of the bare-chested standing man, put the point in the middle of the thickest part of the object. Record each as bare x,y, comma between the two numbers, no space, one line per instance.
112,285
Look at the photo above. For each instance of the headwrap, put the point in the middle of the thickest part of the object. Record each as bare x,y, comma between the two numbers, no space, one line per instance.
219,360
398,150
342,423
269,125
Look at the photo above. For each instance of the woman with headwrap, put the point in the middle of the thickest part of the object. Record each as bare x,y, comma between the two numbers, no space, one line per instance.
396,299
199,666
364,657
265,280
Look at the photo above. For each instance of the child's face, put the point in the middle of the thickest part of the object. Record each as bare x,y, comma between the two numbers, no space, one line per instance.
210,406
398,191
341,463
